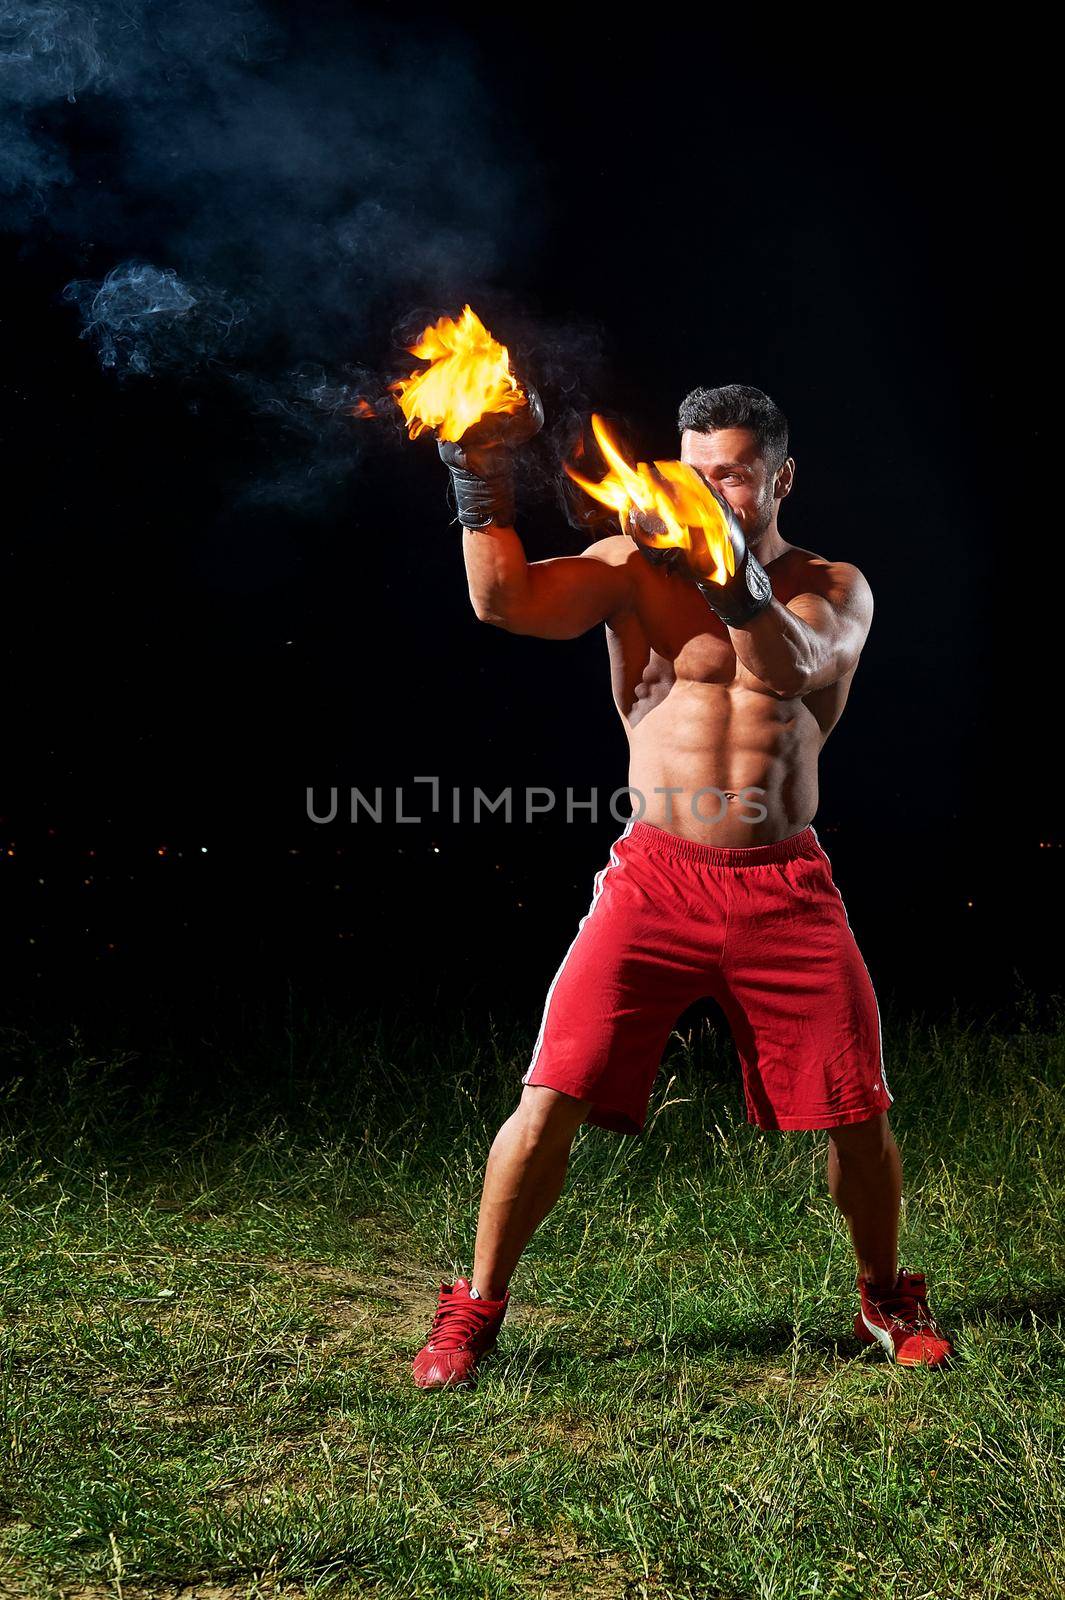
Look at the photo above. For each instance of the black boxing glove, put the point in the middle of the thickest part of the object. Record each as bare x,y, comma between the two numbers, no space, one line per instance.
671,558
482,463
748,590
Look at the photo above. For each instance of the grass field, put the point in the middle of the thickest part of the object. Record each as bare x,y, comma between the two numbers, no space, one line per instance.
212,1292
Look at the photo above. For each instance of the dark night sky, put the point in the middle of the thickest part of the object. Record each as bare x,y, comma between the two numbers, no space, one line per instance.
204,612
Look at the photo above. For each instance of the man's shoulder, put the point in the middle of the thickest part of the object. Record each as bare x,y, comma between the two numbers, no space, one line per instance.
804,571
615,549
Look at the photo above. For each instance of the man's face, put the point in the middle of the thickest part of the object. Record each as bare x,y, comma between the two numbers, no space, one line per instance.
729,458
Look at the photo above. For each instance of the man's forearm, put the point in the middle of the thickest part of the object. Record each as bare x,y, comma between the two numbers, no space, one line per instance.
497,570
779,648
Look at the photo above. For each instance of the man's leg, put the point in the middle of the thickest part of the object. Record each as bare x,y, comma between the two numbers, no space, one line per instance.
865,1181
523,1179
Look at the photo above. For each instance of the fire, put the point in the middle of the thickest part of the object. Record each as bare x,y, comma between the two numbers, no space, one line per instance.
468,376
675,494
362,408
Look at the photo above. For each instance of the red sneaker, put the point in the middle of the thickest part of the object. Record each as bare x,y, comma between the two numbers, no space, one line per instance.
463,1330
901,1321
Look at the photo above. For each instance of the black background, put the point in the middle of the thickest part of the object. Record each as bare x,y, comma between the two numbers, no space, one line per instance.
853,225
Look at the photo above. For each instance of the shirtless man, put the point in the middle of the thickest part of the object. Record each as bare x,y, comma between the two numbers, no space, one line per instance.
718,885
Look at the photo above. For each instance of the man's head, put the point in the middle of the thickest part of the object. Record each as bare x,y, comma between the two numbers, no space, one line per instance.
738,438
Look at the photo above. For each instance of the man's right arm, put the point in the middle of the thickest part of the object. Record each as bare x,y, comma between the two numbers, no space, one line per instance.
559,598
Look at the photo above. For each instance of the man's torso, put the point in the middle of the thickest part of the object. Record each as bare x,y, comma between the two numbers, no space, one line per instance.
698,720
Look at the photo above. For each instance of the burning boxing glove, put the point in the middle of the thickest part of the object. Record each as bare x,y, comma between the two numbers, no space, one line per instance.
482,463
746,592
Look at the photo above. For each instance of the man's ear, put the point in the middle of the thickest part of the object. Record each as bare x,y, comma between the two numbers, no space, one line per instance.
784,479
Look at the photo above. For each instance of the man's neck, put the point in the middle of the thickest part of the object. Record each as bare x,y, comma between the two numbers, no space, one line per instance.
770,546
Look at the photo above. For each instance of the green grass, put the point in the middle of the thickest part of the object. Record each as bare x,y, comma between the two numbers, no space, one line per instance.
210,1296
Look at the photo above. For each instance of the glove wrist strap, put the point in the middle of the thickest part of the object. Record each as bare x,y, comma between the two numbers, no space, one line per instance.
746,593
482,501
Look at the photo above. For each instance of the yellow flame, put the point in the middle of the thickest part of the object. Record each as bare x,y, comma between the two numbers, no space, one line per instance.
673,492
468,376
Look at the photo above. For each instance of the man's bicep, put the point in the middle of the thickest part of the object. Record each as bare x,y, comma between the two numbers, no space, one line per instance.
567,595
840,612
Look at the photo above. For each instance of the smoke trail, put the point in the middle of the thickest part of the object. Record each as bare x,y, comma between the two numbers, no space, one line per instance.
253,200
144,319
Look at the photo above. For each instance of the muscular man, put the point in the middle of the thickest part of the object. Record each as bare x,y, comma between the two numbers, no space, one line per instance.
718,884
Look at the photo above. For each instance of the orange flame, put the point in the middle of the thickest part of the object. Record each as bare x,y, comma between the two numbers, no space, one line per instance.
673,492
362,408
468,376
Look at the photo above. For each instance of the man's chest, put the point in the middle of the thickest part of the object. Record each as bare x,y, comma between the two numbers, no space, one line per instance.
684,643
673,631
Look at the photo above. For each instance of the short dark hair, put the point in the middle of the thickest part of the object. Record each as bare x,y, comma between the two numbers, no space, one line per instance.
737,405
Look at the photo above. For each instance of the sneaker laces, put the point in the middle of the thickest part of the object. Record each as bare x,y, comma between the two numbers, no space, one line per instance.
908,1308
455,1321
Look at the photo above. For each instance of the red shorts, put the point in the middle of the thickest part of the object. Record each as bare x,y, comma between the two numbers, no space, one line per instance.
762,930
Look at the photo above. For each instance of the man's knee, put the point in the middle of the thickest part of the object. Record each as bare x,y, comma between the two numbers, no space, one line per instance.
870,1140
546,1113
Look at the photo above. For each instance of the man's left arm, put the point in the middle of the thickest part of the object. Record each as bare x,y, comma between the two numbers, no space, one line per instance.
813,640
